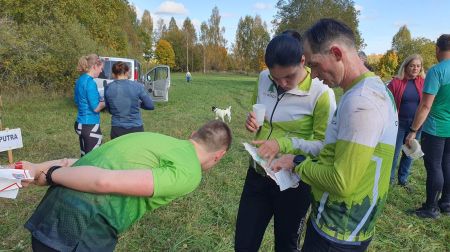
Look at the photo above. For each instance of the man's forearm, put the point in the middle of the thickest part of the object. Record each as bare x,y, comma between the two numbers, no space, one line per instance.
420,117
97,180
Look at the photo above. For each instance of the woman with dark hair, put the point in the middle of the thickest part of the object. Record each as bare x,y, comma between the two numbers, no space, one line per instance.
407,90
89,103
124,98
298,109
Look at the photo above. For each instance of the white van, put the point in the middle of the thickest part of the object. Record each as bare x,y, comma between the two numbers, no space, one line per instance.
105,77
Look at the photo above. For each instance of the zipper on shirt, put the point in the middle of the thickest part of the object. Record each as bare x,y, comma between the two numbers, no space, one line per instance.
279,97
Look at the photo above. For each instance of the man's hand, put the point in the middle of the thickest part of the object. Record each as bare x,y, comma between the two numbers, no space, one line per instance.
284,162
251,123
268,149
38,171
409,138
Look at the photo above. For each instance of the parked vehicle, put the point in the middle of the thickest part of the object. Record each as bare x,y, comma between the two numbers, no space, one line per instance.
157,82
106,77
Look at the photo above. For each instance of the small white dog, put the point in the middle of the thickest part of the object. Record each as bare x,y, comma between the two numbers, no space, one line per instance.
222,113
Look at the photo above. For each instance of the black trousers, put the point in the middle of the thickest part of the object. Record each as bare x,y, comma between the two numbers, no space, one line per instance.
89,135
437,164
120,131
261,199
38,246
314,242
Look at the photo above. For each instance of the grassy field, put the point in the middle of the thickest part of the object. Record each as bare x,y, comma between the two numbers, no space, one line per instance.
205,219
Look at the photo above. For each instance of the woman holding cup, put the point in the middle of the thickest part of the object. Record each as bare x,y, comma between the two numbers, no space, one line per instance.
297,111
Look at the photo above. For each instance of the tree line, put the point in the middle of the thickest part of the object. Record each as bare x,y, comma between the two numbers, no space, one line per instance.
41,40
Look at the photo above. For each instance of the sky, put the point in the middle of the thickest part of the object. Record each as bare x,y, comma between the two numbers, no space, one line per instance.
379,20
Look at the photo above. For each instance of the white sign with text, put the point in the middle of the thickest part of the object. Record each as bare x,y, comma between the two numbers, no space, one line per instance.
10,139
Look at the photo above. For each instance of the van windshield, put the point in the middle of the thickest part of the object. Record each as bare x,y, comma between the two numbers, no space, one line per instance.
107,69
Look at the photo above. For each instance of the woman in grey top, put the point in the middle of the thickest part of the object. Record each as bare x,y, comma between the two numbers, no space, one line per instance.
124,98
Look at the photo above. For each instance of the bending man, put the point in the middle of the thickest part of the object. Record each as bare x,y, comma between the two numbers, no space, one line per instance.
86,207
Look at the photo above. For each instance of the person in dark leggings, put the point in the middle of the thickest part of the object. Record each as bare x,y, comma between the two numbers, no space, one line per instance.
298,109
124,99
89,103
434,113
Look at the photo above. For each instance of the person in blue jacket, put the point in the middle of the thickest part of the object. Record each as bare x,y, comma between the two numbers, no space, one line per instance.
124,98
89,103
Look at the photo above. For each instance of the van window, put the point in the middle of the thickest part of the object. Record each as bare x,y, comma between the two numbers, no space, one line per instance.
107,69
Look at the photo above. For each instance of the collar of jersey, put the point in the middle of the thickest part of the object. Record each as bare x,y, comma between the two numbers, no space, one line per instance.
304,86
360,78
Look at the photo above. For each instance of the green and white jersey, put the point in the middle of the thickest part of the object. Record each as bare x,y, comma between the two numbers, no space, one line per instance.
66,218
298,118
350,180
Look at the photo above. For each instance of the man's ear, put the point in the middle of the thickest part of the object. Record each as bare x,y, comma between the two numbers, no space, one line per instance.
192,134
219,155
302,60
336,52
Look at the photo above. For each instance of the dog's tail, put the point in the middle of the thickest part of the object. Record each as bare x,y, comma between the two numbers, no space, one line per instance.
229,108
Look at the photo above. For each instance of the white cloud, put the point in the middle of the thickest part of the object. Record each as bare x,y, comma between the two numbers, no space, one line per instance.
171,8
358,7
262,6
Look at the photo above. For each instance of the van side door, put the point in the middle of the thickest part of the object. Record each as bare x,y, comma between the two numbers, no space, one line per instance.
157,82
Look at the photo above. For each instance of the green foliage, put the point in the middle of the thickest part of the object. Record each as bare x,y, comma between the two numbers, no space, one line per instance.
401,40
146,34
301,14
387,66
164,53
252,38
43,39
405,45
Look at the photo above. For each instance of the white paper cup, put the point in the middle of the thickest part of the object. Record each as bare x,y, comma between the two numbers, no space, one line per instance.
415,152
260,112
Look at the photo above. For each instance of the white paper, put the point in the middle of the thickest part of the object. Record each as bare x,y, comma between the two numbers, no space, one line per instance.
10,182
284,178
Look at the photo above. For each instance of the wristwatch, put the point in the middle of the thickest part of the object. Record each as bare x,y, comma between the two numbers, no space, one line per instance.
412,130
298,159
48,176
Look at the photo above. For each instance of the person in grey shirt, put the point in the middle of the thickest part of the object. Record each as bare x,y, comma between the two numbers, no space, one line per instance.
123,99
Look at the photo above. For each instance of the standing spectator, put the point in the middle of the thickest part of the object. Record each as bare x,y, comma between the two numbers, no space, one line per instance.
188,76
89,103
407,90
124,98
298,109
434,114
350,180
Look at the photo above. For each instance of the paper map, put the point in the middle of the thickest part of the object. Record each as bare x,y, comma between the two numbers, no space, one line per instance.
284,178
10,181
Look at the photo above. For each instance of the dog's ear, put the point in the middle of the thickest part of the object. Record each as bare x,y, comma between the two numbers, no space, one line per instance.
213,108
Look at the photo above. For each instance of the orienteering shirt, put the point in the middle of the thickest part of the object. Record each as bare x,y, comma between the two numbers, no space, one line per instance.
350,180
67,219
297,118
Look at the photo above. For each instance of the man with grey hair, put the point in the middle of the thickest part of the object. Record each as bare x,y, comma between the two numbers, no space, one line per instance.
350,178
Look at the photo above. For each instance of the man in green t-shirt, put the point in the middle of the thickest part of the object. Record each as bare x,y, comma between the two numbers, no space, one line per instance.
86,206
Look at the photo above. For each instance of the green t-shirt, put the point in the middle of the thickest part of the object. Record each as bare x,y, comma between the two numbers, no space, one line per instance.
437,83
67,219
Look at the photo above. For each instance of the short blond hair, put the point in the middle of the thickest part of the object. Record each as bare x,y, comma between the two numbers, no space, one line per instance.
85,63
406,62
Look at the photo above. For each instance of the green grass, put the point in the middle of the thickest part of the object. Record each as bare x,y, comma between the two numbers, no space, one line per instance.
205,219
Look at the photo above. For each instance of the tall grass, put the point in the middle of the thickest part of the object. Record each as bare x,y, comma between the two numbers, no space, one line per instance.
205,219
